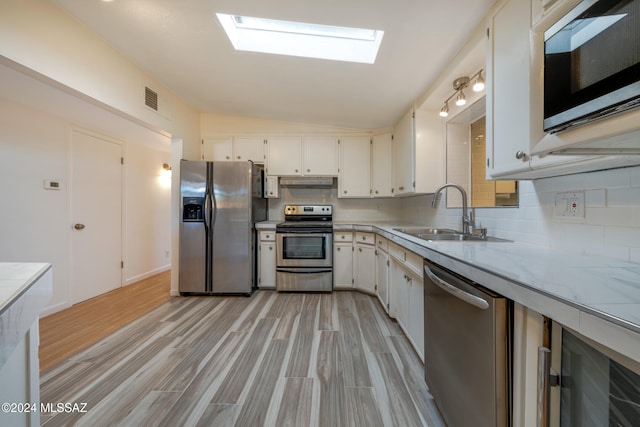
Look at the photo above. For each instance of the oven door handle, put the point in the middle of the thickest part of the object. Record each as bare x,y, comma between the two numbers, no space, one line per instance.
455,291
303,270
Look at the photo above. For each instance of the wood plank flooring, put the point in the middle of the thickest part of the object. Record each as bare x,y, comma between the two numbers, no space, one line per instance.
274,359
66,332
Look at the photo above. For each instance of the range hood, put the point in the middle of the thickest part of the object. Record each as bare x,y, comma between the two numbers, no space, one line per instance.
307,181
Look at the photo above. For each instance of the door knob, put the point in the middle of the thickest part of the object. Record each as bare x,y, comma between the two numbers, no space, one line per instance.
79,226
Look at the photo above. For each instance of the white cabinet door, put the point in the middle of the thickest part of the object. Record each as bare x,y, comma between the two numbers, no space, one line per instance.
343,265
403,152
365,271
400,294
381,166
416,312
284,156
272,190
354,179
320,155
248,148
382,278
267,265
508,90
217,149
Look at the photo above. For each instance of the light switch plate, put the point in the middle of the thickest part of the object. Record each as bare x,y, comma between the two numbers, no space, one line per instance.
569,205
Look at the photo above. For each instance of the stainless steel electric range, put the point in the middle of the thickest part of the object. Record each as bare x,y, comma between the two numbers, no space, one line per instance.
304,243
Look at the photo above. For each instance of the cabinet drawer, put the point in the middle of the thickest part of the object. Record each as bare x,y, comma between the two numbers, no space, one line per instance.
366,238
408,259
342,236
414,263
396,251
382,243
267,236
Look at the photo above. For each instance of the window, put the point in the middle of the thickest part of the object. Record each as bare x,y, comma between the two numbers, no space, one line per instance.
302,39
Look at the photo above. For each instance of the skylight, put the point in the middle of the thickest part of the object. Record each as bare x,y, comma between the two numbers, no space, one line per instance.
302,39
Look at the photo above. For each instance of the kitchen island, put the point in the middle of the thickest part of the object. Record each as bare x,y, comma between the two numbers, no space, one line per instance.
25,290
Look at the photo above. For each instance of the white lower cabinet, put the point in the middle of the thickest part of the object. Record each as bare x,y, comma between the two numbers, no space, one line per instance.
406,294
343,260
267,260
365,261
382,272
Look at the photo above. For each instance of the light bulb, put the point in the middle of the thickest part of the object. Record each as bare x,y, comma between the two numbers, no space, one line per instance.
444,112
461,99
479,84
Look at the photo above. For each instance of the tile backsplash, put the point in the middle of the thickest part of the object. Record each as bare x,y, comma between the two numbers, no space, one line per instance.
610,227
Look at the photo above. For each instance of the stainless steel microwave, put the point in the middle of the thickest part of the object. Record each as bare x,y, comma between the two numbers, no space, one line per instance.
592,63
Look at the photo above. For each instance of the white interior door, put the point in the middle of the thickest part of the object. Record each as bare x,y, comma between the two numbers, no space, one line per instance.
96,212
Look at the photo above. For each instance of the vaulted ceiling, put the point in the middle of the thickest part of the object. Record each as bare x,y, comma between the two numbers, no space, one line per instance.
182,44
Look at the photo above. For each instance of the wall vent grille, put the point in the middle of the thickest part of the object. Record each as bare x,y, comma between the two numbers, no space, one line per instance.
150,98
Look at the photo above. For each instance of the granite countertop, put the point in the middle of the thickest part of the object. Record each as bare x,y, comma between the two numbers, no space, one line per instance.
605,288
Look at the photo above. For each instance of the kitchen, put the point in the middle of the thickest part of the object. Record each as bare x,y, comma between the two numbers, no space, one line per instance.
609,229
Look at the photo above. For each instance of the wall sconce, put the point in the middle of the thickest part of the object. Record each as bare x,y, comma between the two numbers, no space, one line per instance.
166,166
458,85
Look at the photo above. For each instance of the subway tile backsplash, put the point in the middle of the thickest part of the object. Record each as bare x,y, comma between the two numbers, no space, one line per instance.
610,228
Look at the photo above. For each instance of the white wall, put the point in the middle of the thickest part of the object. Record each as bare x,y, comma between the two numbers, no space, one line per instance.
35,223
38,36
611,227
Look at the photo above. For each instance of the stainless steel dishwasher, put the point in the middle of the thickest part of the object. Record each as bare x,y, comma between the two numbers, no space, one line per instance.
467,335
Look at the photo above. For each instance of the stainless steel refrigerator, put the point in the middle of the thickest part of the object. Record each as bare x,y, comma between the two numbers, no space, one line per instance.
220,203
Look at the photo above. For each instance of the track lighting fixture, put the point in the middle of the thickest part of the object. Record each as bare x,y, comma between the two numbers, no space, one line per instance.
459,84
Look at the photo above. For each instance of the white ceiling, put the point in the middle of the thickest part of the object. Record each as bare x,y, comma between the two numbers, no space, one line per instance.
182,45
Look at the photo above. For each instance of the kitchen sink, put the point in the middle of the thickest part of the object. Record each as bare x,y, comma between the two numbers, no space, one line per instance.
446,234
459,237
415,231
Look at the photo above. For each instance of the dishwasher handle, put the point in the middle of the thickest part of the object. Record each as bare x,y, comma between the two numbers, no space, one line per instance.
456,292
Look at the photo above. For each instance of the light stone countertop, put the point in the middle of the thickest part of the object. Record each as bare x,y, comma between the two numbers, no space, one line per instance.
25,290
605,288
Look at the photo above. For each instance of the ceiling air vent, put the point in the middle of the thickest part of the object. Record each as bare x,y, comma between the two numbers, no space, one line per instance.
150,98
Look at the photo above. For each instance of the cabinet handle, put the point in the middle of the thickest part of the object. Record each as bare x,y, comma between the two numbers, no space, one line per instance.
308,170
345,191
360,249
520,155
376,191
270,248
400,188
239,157
488,162
228,157
296,170
338,249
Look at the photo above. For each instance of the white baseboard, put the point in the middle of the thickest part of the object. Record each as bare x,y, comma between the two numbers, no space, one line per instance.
134,279
54,308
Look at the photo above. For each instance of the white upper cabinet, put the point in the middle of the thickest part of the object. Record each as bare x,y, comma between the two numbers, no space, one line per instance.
248,148
217,149
320,155
418,153
284,156
238,148
403,154
354,179
508,76
381,166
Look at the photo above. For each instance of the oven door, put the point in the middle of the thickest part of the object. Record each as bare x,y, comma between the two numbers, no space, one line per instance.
304,249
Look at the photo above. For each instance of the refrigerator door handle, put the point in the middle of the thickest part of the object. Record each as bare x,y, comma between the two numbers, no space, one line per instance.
453,290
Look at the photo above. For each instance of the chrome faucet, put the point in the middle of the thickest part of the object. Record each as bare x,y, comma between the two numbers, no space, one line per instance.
467,216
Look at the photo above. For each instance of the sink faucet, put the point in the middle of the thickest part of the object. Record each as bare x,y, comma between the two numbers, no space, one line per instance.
467,216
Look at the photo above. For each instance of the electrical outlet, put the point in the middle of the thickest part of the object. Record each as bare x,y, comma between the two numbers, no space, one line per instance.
569,205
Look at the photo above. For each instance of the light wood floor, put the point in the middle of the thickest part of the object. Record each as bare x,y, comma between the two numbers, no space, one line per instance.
66,332
274,359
